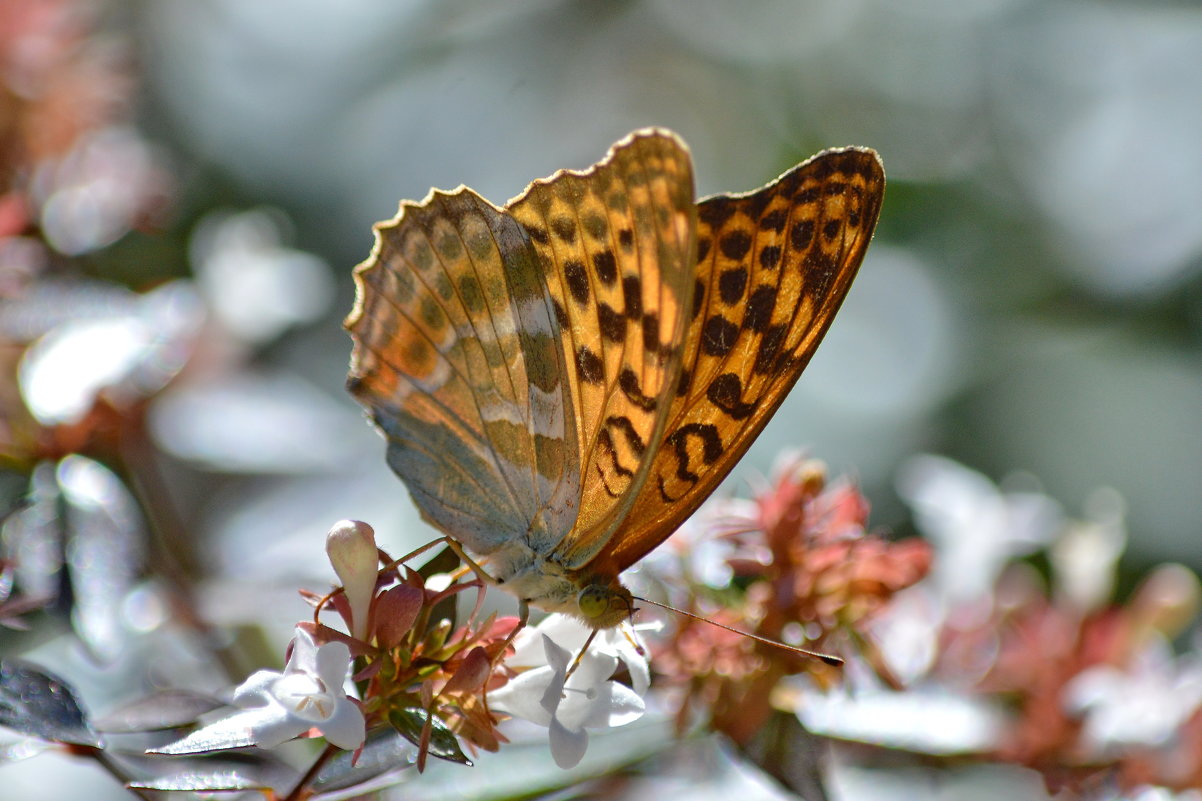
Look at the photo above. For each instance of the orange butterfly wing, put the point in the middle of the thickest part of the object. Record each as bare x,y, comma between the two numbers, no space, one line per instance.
617,244
773,268
457,357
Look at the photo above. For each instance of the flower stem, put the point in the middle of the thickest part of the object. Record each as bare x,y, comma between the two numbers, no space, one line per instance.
300,791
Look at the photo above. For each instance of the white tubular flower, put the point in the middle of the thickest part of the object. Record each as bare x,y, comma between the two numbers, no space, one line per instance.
279,706
308,694
976,527
351,547
622,642
1142,706
569,705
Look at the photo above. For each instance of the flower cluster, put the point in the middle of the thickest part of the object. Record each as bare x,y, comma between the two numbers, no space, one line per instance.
417,675
1048,670
1091,686
74,176
801,565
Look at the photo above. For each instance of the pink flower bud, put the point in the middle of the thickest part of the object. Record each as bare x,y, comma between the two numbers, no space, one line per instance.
351,546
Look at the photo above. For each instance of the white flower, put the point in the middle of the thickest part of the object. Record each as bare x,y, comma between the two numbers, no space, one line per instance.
569,705
1085,556
308,694
279,706
622,642
1142,706
975,527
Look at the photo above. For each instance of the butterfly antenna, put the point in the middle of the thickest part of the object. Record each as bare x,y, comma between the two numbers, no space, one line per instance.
828,659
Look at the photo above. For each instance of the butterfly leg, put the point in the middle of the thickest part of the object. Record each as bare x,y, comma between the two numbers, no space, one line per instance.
523,607
468,561
580,656
392,565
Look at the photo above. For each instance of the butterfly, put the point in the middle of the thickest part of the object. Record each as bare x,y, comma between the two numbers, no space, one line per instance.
563,381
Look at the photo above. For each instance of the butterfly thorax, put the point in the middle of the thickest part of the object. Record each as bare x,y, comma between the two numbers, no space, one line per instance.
597,599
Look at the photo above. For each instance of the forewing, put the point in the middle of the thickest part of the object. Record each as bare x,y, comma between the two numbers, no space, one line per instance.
457,358
773,267
617,242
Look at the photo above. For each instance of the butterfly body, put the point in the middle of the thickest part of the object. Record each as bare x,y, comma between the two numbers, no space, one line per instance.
563,381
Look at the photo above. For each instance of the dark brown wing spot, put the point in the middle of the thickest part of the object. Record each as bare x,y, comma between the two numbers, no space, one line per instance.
450,247
632,295
716,211
818,262
774,221
807,196
678,440
626,239
577,277
596,225
628,380
605,443
539,235
623,424
613,325
759,308
718,335
784,363
735,245
589,365
726,392
754,206
606,266
853,161
731,285
802,234
561,316
830,229
471,294
564,228
769,345
686,380
698,297
703,248
651,343
770,257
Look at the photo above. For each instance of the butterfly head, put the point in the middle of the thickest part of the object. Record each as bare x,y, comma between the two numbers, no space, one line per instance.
604,606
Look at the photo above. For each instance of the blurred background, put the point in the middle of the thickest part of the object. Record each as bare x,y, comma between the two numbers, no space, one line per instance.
186,185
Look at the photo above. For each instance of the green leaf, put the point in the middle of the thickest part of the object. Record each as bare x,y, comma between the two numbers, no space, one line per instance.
38,703
443,742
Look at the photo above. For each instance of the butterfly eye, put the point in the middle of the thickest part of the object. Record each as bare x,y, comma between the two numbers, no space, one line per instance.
593,601
604,606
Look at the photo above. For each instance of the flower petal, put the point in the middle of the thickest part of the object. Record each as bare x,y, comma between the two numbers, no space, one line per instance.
567,747
594,668
625,643
640,674
625,705
304,652
331,662
256,690
346,727
273,725
522,696
557,657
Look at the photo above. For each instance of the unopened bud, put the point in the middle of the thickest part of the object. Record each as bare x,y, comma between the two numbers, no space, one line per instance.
351,546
